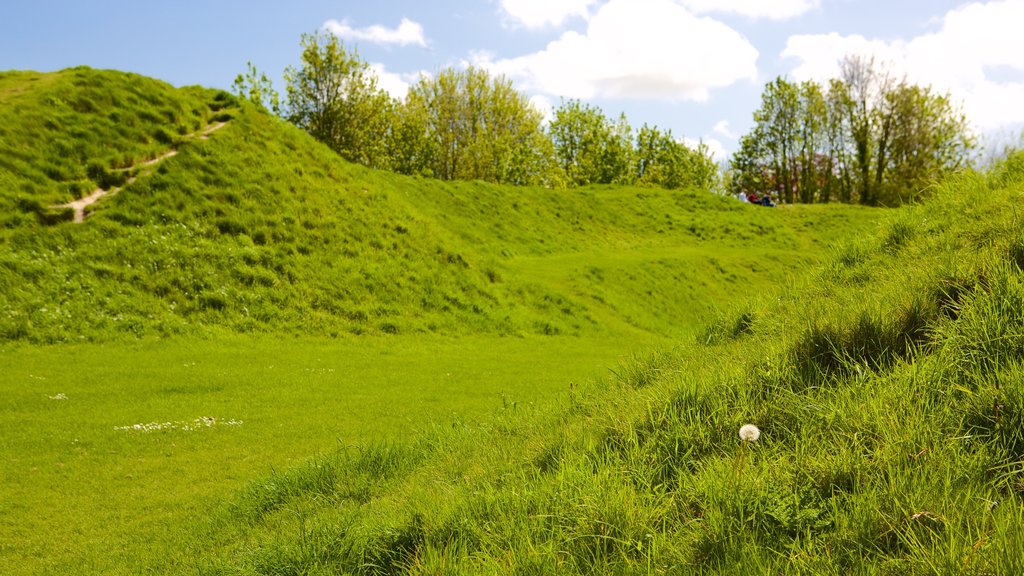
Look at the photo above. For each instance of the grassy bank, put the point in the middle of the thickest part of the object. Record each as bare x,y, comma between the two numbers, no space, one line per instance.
887,388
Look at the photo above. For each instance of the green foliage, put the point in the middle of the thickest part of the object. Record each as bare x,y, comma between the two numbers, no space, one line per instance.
258,89
866,138
663,161
334,96
590,147
593,149
467,125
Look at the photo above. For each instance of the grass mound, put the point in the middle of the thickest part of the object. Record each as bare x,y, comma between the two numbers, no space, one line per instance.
66,133
260,229
889,392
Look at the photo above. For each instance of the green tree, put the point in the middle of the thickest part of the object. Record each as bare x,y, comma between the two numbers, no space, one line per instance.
334,96
590,148
867,138
661,160
839,184
929,137
258,89
466,124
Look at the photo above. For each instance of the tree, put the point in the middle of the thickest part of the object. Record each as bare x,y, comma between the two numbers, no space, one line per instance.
334,96
661,160
929,136
465,124
258,89
867,138
590,148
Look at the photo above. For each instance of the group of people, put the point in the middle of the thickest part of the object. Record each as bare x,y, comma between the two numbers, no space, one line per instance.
763,200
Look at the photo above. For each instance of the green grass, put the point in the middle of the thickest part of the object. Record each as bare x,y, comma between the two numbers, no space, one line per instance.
889,389
458,378
65,133
78,495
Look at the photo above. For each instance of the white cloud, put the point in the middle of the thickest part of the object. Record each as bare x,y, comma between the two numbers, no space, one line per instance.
395,84
722,129
544,105
769,9
540,13
718,151
959,57
408,32
643,49
820,53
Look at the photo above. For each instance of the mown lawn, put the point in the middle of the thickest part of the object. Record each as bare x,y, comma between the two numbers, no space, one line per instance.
80,495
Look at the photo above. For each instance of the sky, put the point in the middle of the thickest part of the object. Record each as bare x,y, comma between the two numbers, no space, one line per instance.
696,67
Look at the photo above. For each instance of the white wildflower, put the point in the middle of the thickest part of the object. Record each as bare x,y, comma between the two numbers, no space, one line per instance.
60,396
749,433
187,426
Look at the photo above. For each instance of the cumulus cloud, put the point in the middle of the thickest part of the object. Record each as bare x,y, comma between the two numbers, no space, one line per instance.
543,105
972,46
715,147
395,84
643,49
540,13
408,32
768,9
722,129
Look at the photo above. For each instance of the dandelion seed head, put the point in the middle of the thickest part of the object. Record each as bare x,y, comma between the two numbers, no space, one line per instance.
749,433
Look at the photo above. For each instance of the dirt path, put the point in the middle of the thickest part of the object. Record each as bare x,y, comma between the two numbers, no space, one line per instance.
78,206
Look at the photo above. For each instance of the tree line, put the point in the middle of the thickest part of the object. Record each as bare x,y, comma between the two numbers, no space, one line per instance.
866,137
466,124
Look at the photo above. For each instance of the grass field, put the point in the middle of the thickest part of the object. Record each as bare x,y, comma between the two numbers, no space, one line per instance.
80,494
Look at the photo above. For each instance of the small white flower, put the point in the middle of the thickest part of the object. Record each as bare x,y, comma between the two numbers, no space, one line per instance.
60,396
749,433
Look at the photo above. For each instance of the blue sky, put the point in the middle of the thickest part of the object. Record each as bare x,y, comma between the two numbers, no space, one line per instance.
696,67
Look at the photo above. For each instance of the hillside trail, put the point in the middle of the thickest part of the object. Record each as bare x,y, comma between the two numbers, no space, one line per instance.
80,205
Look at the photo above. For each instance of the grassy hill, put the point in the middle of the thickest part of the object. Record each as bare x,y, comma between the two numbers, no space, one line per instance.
260,229
889,393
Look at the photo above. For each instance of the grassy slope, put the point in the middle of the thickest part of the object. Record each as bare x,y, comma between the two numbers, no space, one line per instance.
54,127
889,389
260,229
